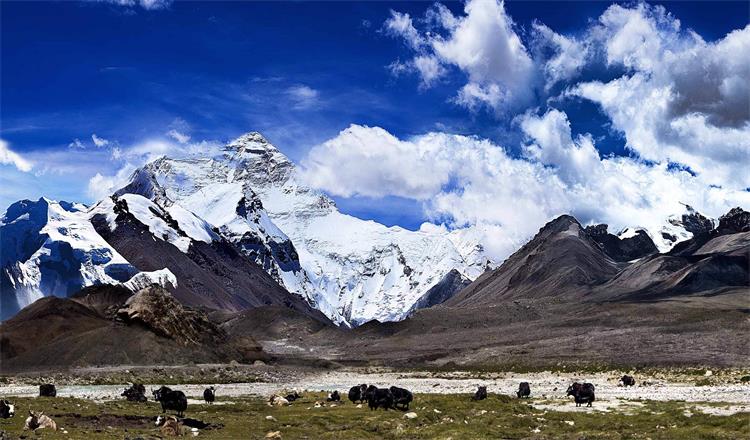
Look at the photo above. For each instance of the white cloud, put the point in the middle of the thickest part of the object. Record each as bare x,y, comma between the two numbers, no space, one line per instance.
684,100
136,155
481,43
150,5
76,144
99,142
178,136
10,157
401,25
101,186
569,55
470,181
302,96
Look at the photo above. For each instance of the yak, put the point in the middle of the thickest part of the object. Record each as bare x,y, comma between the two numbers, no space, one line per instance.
136,393
7,409
171,400
524,390
47,390
401,398
379,398
209,395
582,393
627,381
357,393
481,394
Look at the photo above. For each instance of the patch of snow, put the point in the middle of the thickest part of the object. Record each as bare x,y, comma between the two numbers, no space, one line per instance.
151,215
163,277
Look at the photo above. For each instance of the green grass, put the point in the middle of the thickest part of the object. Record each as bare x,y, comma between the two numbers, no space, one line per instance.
459,418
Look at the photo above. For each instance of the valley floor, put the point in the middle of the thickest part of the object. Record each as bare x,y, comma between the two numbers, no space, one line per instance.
664,404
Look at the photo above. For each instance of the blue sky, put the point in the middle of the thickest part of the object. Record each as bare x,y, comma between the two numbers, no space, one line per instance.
298,72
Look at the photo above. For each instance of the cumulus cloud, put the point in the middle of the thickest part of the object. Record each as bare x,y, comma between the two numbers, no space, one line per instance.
10,157
482,44
101,186
99,142
463,180
568,55
683,100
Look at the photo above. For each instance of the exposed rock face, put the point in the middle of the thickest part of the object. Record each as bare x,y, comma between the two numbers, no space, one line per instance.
452,283
695,222
630,245
156,309
736,220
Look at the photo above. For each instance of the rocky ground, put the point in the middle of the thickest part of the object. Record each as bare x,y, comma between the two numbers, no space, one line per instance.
665,404
690,386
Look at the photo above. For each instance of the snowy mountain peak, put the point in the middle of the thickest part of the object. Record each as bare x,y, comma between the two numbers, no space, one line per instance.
251,141
350,269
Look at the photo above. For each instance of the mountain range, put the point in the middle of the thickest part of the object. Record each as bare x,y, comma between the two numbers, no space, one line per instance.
239,230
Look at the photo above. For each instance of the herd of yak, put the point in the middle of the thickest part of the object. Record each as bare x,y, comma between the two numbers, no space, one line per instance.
386,398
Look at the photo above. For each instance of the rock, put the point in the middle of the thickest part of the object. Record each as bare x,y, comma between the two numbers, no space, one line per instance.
271,418
570,422
258,363
709,373
274,434
155,308
411,415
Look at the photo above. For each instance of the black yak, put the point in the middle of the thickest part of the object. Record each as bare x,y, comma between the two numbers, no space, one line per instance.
379,398
47,390
136,393
401,398
171,400
481,394
357,393
209,395
582,393
524,390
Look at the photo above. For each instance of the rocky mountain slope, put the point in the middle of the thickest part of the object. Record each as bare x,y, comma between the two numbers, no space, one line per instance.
51,248
148,328
56,248
561,300
562,260
352,270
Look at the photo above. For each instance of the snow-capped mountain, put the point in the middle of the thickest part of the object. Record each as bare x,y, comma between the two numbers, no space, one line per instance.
51,248
681,227
352,270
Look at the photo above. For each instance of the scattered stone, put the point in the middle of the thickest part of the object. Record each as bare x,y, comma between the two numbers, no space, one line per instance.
271,418
437,410
411,415
570,422
274,435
